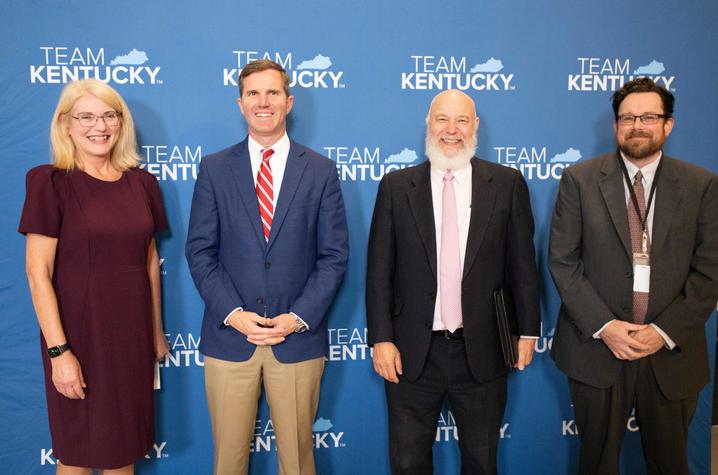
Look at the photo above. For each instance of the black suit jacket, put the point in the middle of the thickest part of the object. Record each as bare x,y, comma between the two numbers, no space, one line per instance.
402,275
591,264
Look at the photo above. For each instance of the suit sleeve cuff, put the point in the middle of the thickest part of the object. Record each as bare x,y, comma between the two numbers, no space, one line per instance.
670,344
597,335
226,319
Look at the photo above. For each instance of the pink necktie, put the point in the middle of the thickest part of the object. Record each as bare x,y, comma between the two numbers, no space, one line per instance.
640,299
265,192
450,268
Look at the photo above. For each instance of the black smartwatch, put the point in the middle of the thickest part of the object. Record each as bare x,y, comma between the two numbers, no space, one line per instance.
56,351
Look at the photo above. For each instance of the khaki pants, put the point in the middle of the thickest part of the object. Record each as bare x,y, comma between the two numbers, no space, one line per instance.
233,390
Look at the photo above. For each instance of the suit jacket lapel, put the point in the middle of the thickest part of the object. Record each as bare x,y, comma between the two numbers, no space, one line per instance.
614,195
296,163
243,180
422,208
669,193
483,195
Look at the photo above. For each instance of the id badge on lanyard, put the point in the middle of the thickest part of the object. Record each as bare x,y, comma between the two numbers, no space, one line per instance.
642,266
641,260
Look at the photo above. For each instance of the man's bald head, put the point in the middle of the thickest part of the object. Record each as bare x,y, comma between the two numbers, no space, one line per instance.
448,97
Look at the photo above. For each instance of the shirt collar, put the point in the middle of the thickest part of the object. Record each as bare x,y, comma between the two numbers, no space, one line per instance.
460,175
281,147
649,171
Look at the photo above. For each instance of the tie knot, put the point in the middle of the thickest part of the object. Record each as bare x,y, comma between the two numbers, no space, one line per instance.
266,153
448,177
638,178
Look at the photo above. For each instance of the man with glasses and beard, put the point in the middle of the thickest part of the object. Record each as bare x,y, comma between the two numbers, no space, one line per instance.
445,234
634,255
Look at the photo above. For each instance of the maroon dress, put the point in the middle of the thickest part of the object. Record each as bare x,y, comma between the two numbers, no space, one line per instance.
100,278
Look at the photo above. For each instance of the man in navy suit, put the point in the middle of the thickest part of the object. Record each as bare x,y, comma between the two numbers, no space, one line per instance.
267,248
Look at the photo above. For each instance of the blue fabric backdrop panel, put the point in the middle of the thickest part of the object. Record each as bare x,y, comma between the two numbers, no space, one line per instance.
363,74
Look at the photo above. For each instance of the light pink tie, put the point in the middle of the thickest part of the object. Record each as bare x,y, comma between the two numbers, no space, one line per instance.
450,268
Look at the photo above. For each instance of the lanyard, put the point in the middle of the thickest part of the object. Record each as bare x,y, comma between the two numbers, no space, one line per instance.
643,219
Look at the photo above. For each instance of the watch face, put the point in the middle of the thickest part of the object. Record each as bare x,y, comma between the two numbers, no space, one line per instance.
57,350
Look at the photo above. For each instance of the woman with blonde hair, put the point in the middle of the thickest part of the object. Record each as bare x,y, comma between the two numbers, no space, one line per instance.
92,265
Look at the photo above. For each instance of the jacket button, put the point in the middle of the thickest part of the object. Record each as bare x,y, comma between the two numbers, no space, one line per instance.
259,300
629,274
267,265
626,309
432,295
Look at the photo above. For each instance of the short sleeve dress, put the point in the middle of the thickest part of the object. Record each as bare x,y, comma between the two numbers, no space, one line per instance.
100,278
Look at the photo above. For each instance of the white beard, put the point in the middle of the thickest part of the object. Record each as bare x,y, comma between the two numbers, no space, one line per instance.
440,160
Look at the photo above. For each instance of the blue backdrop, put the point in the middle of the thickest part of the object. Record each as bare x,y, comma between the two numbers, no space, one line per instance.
363,74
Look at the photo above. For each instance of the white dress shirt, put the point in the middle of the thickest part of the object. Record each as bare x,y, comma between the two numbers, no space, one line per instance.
462,190
277,162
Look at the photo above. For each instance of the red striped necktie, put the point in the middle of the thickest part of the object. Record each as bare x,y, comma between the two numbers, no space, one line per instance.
265,192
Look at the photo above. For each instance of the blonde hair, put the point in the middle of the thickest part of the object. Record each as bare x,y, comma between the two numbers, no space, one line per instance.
124,154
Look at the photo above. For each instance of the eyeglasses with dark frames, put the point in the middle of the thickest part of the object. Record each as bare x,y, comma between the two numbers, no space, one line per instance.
646,119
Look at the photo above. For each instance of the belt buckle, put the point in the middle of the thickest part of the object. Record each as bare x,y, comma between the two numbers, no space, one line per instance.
452,336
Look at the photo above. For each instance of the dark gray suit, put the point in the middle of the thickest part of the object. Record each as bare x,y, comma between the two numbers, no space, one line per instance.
591,264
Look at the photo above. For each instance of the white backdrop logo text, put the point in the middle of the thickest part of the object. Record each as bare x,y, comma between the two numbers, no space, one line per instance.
316,72
456,72
362,163
535,162
610,74
62,64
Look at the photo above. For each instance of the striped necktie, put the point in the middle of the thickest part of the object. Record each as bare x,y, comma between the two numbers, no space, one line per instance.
265,192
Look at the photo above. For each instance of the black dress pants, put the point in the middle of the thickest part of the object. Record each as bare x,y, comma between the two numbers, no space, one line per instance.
414,408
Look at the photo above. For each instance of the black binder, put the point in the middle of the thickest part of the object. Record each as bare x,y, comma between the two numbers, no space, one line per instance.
508,328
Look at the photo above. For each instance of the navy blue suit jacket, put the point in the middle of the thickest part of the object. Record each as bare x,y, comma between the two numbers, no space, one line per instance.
298,270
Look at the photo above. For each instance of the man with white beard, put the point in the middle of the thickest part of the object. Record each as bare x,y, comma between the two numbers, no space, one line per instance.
445,234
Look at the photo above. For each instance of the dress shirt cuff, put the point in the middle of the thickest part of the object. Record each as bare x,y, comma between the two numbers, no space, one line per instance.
597,335
300,320
529,337
226,319
670,344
